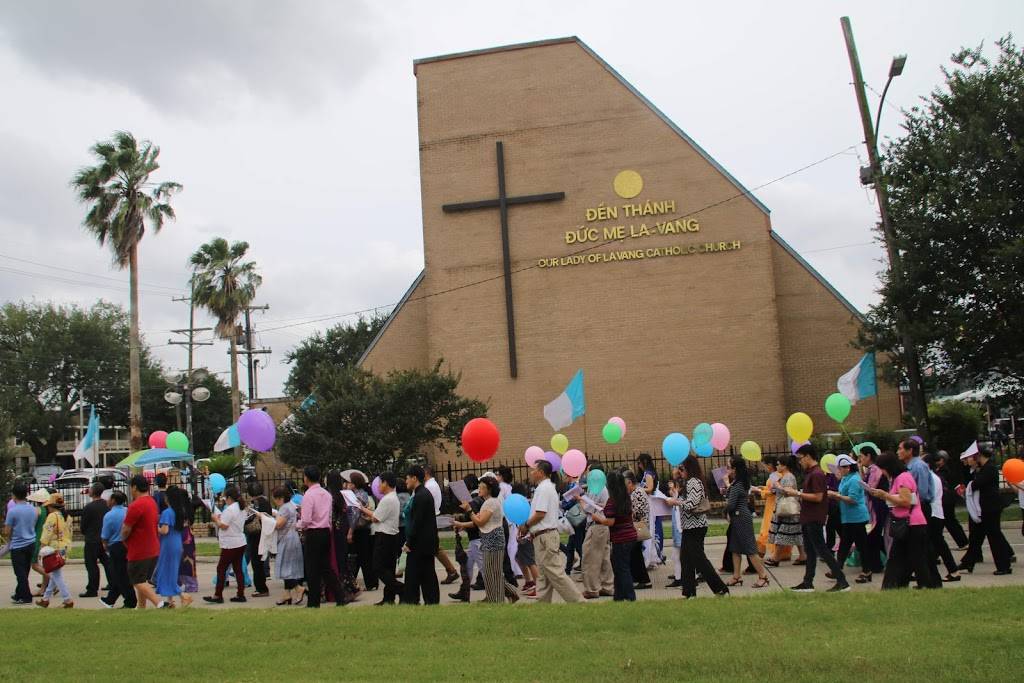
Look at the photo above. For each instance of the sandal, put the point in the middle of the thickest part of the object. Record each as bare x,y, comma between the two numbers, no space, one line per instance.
863,578
771,563
734,581
762,582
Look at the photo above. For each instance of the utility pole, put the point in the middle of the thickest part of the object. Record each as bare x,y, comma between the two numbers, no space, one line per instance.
191,344
911,361
249,351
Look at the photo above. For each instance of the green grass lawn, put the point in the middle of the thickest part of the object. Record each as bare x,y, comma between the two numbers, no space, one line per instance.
948,635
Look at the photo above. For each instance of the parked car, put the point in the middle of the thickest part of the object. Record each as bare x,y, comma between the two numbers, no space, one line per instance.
74,485
41,474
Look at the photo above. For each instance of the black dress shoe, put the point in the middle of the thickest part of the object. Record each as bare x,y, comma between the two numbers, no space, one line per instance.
965,568
478,586
676,583
237,598
1002,572
212,599
88,594
459,596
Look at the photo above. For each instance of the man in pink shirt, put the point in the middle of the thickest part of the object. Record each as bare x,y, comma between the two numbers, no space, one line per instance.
315,519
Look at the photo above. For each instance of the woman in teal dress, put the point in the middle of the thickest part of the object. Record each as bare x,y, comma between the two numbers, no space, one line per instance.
171,523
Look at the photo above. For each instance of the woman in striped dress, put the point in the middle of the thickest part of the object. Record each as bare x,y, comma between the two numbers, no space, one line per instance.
741,525
492,541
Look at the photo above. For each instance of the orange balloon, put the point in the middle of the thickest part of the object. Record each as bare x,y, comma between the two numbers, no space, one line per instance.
1013,470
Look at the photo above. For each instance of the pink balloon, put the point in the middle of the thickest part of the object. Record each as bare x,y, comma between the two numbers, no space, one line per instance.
158,439
375,488
619,421
533,454
574,462
720,436
556,462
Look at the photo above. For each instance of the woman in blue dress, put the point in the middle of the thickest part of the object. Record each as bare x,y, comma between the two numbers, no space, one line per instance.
171,523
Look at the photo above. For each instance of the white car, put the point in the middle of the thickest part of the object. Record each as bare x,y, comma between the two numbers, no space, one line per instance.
74,485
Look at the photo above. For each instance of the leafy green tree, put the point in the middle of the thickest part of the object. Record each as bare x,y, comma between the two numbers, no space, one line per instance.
122,201
224,284
51,355
956,180
367,421
340,346
955,425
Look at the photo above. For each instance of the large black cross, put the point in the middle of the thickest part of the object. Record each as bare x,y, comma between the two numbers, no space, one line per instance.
502,203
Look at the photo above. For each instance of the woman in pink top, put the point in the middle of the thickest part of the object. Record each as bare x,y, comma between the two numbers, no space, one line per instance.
908,528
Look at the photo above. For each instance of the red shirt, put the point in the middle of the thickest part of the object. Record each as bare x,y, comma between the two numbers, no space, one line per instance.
814,513
623,530
143,542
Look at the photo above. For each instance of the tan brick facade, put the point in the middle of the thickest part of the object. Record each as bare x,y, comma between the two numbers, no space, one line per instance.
741,335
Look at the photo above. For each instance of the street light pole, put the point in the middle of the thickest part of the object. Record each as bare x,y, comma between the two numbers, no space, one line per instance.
912,364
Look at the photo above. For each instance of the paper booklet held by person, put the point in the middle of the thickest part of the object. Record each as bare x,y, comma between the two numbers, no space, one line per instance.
589,503
351,499
719,474
573,493
444,521
460,490
658,494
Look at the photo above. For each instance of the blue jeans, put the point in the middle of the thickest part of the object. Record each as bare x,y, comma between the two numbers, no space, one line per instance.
659,537
574,547
620,569
815,547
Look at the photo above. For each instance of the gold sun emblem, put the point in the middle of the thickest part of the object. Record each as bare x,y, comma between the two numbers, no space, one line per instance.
628,184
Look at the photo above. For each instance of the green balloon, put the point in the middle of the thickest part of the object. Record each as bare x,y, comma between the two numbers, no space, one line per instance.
177,441
838,407
612,432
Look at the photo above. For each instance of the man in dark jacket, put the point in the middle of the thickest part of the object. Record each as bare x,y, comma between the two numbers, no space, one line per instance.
91,526
421,543
949,497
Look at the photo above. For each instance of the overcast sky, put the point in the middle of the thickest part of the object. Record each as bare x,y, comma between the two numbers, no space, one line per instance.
292,125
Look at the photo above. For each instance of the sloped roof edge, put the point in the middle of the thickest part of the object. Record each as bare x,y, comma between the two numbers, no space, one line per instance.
394,313
818,276
629,86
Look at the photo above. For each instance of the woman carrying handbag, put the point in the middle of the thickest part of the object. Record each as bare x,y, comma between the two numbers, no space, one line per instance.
53,552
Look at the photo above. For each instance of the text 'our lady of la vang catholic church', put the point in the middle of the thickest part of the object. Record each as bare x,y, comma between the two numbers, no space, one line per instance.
568,224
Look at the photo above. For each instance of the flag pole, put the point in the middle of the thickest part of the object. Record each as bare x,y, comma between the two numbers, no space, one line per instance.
586,448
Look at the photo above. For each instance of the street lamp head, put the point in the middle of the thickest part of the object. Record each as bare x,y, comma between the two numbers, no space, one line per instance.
896,68
172,397
200,394
199,375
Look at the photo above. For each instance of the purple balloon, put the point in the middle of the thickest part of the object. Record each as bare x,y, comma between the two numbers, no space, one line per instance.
375,488
554,459
793,446
916,438
256,430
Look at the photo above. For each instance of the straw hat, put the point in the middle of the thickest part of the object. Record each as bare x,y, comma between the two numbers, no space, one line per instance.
55,501
38,496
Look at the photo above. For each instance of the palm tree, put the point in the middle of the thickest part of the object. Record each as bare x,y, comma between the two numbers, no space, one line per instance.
123,200
224,285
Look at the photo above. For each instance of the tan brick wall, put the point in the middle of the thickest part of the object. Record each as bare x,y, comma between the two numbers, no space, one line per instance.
816,333
404,344
665,343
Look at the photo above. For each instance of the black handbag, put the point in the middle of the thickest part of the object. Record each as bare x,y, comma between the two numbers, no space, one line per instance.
899,528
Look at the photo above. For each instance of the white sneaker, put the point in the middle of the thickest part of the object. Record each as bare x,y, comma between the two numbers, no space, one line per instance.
106,604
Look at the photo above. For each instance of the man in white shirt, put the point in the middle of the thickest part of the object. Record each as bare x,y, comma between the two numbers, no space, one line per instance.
598,578
386,520
543,526
435,490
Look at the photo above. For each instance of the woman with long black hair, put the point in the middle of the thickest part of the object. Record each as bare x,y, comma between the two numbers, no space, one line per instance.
693,501
173,517
618,514
908,527
741,539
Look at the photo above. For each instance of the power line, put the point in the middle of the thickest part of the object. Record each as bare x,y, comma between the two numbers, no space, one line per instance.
86,273
57,278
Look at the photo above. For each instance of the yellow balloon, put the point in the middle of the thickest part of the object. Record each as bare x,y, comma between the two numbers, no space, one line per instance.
799,427
827,461
750,451
559,444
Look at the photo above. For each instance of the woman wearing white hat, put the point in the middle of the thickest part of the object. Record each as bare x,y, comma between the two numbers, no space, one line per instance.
55,541
853,511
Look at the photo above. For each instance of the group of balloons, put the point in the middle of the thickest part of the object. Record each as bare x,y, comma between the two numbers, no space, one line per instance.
614,430
706,438
175,441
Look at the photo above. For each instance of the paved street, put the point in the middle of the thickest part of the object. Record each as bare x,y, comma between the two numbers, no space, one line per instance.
786,575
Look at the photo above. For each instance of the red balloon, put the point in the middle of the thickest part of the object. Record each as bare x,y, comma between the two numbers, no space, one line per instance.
158,439
480,439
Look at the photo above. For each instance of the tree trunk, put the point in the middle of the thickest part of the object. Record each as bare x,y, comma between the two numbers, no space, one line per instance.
236,407
134,384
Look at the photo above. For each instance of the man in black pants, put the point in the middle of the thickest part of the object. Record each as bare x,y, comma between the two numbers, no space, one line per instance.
315,522
91,526
951,523
385,521
117,554
253,530
420,543
813,513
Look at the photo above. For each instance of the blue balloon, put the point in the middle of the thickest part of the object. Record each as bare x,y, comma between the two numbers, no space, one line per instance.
517,509
704,449
297,499
675,447
702,432
596,481
217,482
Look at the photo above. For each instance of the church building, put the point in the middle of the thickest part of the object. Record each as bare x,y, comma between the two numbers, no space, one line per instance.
569,224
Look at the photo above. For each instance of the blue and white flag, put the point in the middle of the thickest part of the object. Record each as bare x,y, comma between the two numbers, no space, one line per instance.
859,383
89,447
568,405
228,439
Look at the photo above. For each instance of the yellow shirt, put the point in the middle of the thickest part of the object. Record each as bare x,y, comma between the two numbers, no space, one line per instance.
56,532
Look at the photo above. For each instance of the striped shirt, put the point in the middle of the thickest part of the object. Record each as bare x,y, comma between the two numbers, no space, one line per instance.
694,495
